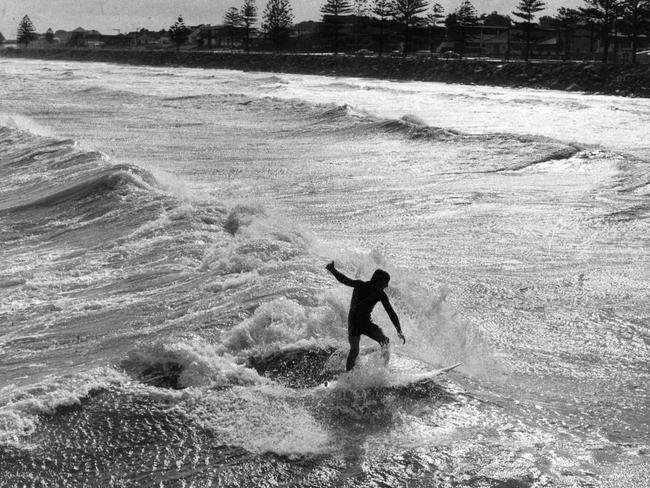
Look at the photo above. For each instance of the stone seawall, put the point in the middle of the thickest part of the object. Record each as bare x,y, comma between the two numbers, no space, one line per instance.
628,80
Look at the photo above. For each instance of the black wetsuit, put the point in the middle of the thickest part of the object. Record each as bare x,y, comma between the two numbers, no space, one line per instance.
364,298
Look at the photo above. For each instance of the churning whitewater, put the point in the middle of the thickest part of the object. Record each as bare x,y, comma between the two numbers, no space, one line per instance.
167,319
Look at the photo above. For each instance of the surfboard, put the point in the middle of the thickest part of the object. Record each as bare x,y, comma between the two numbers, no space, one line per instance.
401,372
313,367
428,375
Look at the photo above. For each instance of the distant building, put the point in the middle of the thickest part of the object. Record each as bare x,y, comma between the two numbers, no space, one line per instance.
491,40
150,39
357,33
501,45
621,47
509,42
62,36
307,28
199,35
95,44
219,36
76,36
39,41
548,45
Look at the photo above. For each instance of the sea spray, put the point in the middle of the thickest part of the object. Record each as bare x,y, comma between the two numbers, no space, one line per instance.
186,362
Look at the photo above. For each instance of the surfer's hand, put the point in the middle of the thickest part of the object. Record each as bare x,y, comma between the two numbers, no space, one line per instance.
330,266
401,336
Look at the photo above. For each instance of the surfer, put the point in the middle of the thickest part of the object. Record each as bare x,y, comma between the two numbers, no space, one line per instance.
365,296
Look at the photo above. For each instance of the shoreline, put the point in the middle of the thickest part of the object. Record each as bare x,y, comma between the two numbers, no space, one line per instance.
588,77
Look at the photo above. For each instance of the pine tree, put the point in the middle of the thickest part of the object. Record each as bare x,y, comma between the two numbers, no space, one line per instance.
179,32
436,15
26,32
433,19
332,10
466,13
407,13
568,19
248,15
601,14
360,12
232,20
49,35
526,11
464,18
383,11
277,21
360,7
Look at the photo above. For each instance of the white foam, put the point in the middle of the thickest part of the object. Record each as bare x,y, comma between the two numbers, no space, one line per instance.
258,241
176,186
261,420
281,323
232,281
600,163
370,371
200,364
22,122
489,109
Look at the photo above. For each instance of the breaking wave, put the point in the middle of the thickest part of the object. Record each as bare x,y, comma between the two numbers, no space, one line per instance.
215,307
181,363
44,172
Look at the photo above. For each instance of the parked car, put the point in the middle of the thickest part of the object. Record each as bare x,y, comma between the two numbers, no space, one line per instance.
365,52
450,55
643,57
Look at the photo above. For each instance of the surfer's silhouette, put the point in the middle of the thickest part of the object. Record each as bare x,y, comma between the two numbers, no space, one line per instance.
365,296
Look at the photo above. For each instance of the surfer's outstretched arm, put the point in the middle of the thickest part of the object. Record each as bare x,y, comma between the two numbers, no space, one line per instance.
393,316
341,277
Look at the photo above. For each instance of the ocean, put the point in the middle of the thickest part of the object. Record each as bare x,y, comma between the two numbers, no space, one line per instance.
167,320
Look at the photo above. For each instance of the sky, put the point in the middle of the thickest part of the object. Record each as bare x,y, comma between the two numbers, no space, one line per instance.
107,16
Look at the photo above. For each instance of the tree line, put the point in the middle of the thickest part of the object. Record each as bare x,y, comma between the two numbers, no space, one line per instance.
606,18
277,21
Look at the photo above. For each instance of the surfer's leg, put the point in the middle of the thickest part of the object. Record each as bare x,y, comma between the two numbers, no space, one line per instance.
354,351
376,334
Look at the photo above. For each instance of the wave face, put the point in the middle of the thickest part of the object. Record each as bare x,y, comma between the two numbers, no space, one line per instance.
167,319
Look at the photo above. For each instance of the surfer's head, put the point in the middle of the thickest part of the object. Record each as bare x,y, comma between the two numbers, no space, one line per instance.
380,279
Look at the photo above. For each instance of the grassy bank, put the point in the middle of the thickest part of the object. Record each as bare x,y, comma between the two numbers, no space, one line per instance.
628,80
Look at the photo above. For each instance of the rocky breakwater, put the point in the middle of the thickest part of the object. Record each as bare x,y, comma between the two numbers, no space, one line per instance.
592,77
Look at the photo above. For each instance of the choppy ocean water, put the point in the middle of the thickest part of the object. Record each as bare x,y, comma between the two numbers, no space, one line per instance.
166,315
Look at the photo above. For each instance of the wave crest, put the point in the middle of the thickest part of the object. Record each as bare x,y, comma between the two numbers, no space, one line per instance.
283,323
45,172
186,363
97,184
